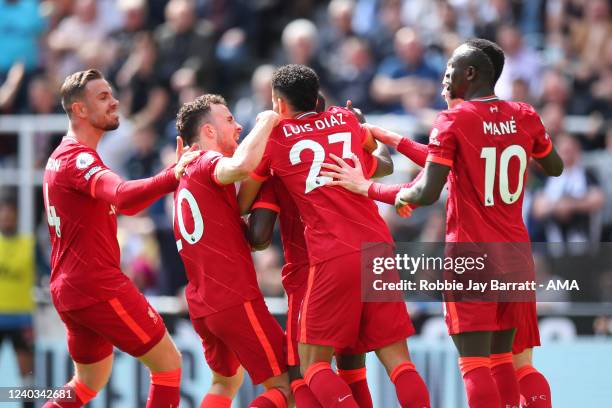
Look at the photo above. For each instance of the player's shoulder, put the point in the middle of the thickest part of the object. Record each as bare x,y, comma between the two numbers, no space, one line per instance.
522,108
342,111
205,161
74,155
449,117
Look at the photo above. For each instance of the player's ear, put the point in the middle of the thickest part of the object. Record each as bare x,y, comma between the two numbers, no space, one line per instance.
470,73
78,109
207,132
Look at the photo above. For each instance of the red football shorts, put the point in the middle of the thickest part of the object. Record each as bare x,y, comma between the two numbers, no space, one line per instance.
245,335
127,322
294,301
333,313
464,317
527,331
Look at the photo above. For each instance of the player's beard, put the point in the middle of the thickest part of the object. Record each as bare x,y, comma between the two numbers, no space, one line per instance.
106,123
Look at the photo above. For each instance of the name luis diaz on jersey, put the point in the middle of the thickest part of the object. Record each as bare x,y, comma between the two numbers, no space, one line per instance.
320,124
507,127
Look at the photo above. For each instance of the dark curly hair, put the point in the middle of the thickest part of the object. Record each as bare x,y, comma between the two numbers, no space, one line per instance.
298,84
192,114
493,51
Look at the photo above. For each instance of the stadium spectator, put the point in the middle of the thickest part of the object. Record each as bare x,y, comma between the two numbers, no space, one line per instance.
16,284
21,26
521,62
259,99
406,82
600,161
386,22
336,31
570,204
186,47
134,14
76,36
300,41
143,92
590,34
351,76
42,100
9,87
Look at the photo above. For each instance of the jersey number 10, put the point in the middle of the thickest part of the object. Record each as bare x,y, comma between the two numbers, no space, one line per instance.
490,156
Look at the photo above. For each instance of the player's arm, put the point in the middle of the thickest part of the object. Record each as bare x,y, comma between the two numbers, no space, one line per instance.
132,196
249,152
352,179
261,228
551,164
382,161
427,189
415,151
543,151
249,188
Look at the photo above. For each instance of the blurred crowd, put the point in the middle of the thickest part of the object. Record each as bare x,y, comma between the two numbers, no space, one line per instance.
387,56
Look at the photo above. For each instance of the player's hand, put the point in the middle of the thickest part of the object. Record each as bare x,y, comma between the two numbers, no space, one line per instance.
346,176
268,115
355,111
181,149
402,207
451,103
384,136
184,156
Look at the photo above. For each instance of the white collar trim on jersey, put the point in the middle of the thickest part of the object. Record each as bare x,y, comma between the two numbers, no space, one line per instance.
486,99
303,115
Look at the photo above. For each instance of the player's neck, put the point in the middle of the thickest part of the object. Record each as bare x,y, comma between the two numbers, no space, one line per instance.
86,135
479,93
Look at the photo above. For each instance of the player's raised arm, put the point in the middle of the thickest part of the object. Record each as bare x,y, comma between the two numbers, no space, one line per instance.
415,151
132,196
249,152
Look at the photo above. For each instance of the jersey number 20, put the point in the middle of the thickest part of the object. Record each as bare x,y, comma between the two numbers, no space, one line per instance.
490,156
198,223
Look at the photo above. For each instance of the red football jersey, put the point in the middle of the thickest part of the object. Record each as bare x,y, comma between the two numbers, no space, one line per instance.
210,236
274,196
488,144
83,229
337,221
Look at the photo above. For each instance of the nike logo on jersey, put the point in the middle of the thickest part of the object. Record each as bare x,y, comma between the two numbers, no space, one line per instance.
343,398
113,210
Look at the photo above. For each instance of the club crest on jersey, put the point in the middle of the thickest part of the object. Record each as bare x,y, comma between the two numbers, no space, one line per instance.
433,137
84,160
